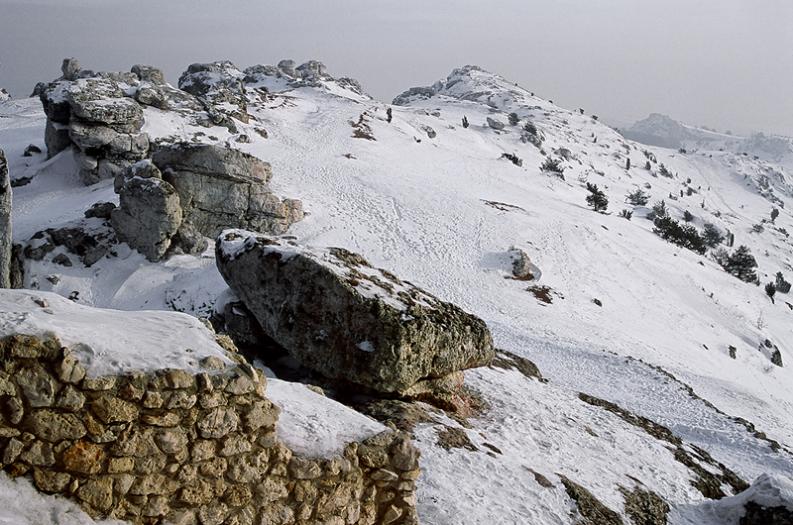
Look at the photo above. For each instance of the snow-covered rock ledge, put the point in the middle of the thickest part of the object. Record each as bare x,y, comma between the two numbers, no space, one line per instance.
144,417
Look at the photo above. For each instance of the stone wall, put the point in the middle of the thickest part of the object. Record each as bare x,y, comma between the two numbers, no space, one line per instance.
184,448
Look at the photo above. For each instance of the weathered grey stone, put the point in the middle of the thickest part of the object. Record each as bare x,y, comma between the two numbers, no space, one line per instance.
6,241
37,385
39,454
220,85
148,217
114,410
70,68
287,67
495,124
102,101
56,138
50,481
12,451
338,315
148,73
220,187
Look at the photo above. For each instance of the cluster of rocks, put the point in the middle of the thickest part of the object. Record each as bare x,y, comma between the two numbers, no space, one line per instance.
184,447
6,242
98,116
308,74
338,315
187,192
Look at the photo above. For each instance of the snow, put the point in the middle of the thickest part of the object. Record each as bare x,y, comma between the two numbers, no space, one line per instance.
315,426
109,342
22,504
657,347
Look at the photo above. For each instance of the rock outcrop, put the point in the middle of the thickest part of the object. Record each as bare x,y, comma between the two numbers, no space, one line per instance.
187,192
6,242
338,315
4,95
180,446
220,86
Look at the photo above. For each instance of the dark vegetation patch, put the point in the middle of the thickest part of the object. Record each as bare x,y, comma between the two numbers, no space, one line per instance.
540,479
509,361
450,437
645,507
542,293
361,129
502,206
592,511
706,482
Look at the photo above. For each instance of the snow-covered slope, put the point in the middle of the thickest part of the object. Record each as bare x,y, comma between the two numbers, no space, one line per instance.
436,202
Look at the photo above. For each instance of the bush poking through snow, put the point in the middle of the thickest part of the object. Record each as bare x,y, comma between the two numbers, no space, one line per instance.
465,122
770,291
781,285
553,166
513,119
740,263
712,235
774,214
517,161
659,211
688,216
596,198
638,197
626,214
683,235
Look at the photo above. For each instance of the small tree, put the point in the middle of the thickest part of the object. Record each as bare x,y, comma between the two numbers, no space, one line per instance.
513,119
742,264
596,198
664,171
553,166
626,214
465,122
683,235
774,214
688,216
781,285
388,115
648,166
712,235
628,163
659,210
770,291
637,197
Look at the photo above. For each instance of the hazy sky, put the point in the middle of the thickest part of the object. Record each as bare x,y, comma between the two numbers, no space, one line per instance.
722,63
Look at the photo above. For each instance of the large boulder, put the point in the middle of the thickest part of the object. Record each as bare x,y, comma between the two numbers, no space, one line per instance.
225,188
6,245
149,213
219,84
338,315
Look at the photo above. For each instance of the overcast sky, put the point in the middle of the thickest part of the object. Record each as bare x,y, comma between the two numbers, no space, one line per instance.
722,63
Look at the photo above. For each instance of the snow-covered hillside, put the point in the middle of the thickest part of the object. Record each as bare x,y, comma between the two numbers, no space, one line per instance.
634,335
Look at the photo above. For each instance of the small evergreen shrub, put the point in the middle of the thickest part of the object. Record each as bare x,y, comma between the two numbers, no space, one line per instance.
596,198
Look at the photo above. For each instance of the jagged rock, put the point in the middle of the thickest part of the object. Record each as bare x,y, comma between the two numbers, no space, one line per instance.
70,68
56,138
90,242
148,216
221,187
312,70
219,84
287,67
148,73
256,73
102,101
495,124
100,210
4,95
6,242
187,240
522,267
336,314
31,150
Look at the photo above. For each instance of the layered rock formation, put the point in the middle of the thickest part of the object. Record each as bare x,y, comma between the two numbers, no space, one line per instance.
180,445
189,191
6,242
338,315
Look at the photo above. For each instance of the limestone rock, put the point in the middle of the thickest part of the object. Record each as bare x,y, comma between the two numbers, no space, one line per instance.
336,314
148,74
221,187
6,242
148,216
220,85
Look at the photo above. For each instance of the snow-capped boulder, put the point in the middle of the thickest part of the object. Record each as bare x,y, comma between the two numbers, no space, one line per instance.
225,188
219,84
5,223
148,74
338,315
287,67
